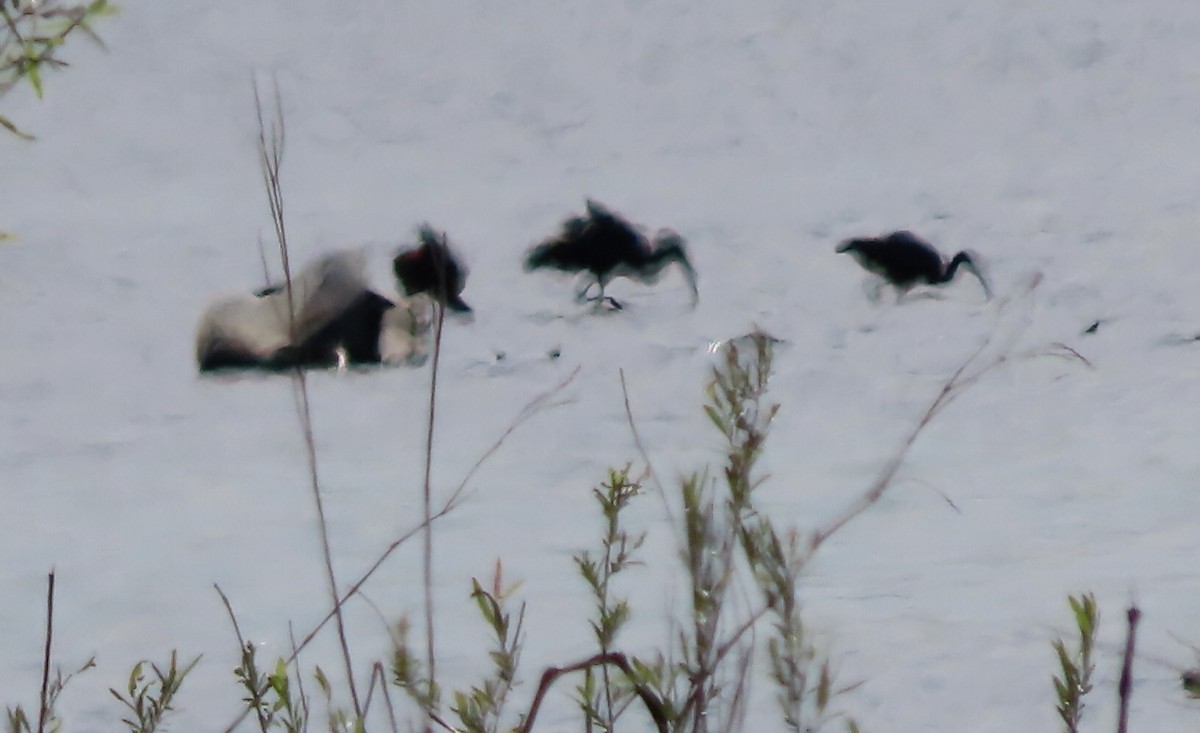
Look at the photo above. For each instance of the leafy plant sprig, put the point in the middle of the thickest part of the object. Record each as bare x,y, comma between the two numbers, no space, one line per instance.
1076,666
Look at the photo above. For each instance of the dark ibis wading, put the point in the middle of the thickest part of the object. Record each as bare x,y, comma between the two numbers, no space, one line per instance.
905,260
606,246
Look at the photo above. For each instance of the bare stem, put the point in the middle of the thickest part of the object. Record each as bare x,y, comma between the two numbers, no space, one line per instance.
295,659
651,702
260,690
44,708
641,448
969,372
884,480
387,697
1125,688
271,158
533,407
427,496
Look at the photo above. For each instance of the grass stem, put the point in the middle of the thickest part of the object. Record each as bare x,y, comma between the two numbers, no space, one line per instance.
44,707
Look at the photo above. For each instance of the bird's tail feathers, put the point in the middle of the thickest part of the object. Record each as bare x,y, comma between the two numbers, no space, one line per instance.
541,255
668,240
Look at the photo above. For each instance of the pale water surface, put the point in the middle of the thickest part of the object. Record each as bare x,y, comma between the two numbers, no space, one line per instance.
1058,138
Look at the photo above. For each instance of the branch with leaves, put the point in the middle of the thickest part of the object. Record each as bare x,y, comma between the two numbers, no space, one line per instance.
31,37
1076,667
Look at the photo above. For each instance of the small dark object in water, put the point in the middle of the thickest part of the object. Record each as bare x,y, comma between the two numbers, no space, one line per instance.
1092,328
905,260
1190,680
607,246
432,268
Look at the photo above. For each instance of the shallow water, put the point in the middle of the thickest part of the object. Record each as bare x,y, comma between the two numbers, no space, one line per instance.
1051,140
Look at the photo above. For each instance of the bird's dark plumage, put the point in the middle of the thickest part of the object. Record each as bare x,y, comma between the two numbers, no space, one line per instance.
432,268
905,260
607,246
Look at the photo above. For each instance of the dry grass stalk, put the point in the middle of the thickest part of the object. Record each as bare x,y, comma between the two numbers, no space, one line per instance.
270,149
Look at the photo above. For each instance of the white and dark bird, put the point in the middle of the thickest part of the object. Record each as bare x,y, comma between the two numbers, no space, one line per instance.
329,316
905,260
339,318
606,246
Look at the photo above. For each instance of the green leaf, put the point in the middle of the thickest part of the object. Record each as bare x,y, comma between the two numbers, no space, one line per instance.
716,419
1064,659
34,76
87,30
279,680
489,608
323,682
824,687
101,7
135,676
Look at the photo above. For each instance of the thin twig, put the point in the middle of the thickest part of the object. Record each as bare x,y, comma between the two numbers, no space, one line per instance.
959,381
443,723
388,628
649,699
531,408
378,677
310,446
387,699
259,690
299,674
735,720
237,630
747,626
262,258
695,696
1071,354
1126,685
884,480
44,709
641,448
271,158
427,497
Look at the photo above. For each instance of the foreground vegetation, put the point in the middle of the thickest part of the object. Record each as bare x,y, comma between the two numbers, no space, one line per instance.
699,677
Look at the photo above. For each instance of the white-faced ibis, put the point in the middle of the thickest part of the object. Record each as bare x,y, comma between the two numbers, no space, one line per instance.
606,246
905,260
432,268
338,319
